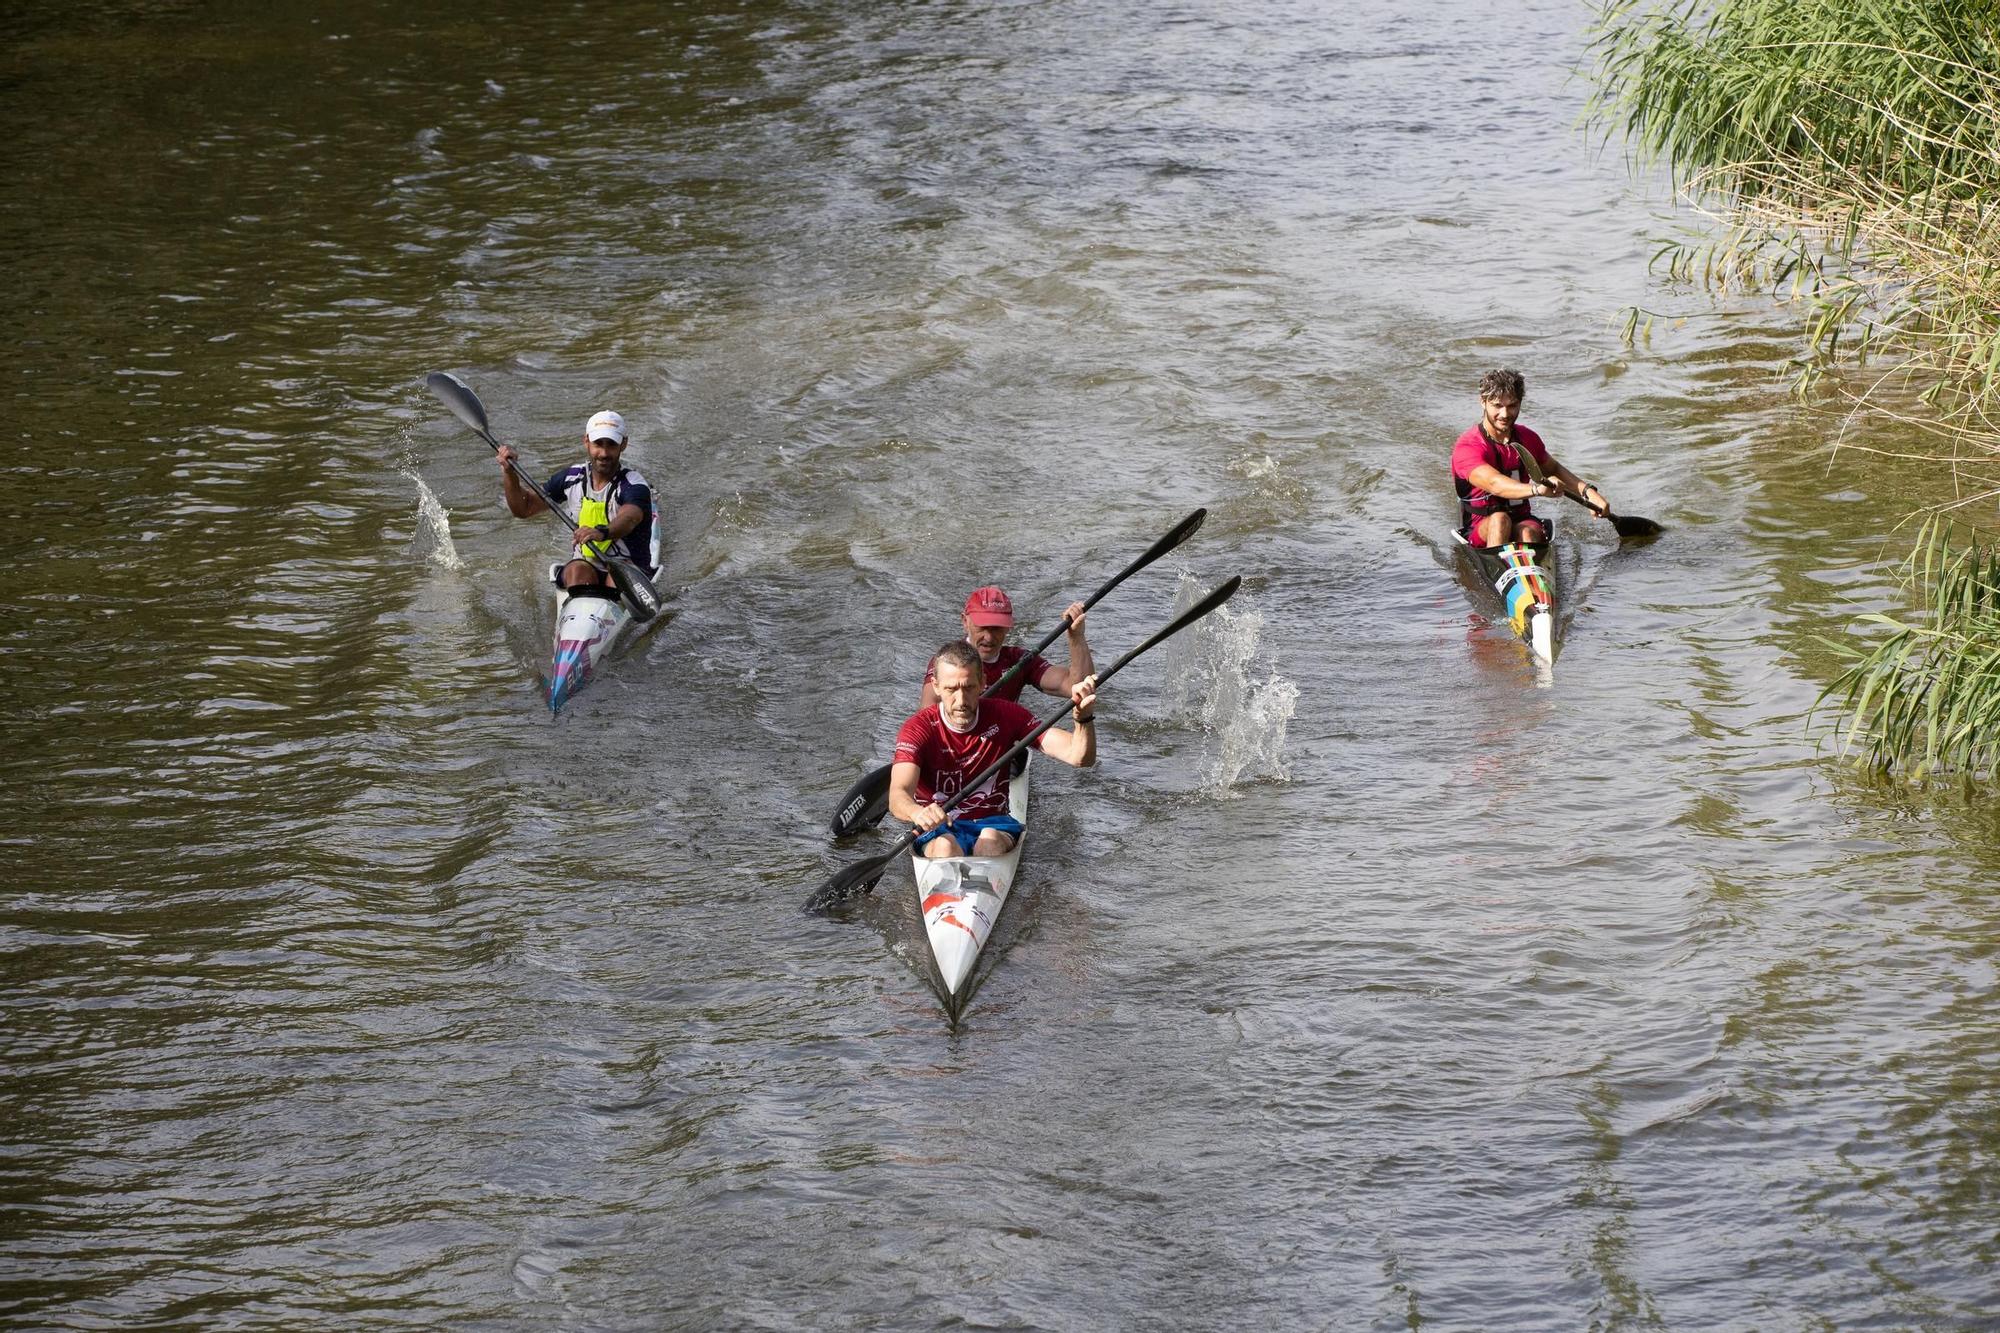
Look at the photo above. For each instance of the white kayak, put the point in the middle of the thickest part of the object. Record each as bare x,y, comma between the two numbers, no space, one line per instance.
590,622
961,897
1526,589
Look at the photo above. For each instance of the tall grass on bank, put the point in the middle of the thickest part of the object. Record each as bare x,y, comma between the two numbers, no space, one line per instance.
1926,698
1851,151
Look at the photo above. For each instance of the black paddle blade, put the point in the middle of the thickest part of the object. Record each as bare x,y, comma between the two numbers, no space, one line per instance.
865,805
849,884
457,395
640,594
1186,529
1631,525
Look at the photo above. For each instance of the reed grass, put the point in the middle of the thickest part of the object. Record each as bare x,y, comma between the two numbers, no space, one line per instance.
1924,699
1849,151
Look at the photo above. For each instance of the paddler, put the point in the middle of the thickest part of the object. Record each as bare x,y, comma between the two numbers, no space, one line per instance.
943,745
611,505
1494,483
988,616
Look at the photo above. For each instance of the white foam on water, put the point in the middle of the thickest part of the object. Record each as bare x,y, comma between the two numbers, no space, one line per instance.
1211,672
431,542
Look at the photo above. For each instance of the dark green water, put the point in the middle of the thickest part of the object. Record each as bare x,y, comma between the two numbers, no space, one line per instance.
1371,982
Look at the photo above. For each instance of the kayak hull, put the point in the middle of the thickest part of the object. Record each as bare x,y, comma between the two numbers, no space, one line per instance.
589,625
1519,572
960,898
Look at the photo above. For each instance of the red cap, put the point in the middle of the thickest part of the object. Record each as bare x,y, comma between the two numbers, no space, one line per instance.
988,606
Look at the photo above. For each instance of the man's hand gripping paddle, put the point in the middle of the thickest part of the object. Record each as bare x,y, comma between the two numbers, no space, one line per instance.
638,590
860,877
867,801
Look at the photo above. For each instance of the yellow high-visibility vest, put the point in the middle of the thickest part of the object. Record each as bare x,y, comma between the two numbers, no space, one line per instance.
591,514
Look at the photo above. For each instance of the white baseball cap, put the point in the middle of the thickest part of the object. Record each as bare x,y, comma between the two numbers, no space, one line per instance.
605,425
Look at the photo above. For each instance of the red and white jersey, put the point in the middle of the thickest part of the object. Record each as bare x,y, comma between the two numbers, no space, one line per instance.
1031,674
947,759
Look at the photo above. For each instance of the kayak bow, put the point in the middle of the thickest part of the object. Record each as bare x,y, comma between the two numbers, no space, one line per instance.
1526,588
589,622
960,898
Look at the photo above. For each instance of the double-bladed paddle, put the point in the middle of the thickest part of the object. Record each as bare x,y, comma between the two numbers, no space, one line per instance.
456,394
867,801
860,877
1628,525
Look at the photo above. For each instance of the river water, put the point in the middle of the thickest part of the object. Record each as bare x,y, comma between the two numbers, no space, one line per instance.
1372,981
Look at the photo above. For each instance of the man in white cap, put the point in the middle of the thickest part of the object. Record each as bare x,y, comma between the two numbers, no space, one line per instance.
612,506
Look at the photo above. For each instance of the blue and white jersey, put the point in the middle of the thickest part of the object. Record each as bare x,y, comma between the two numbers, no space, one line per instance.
571,492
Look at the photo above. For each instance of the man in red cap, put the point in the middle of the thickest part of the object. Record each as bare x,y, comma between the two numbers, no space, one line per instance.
988,617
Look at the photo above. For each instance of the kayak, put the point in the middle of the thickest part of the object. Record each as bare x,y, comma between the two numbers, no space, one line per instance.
590,621
960,898
1527,589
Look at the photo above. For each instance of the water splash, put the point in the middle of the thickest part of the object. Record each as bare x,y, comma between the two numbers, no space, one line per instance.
1209,668
431,542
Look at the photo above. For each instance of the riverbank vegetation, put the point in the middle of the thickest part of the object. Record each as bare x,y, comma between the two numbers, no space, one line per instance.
1850,150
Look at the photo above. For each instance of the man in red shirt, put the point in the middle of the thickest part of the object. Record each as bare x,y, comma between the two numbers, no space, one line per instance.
1495,483
943,746
988,616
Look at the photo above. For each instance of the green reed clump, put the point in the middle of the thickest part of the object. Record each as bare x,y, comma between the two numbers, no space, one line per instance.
1851,151
1926,698
1852,148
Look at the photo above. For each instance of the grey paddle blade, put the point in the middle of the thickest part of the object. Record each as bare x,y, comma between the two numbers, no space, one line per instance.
457,395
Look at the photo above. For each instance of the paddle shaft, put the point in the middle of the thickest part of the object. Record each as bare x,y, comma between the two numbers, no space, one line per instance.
1181,532
871,868
1626,525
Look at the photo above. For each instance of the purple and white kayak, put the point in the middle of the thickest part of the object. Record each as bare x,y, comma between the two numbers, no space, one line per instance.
590,622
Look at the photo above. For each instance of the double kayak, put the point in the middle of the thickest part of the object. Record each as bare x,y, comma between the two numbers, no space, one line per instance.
960,898
1519,572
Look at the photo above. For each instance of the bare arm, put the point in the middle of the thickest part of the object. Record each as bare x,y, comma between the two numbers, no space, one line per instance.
1058,680
903,799
1076,747
1495,482
521,502
1578,487
622,524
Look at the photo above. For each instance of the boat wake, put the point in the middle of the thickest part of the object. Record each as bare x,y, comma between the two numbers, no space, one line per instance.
431,541
1210,674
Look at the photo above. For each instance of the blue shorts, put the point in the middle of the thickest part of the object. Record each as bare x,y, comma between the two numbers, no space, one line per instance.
965,832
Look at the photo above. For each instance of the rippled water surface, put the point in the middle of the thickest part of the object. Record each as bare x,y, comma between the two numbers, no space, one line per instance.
1372,981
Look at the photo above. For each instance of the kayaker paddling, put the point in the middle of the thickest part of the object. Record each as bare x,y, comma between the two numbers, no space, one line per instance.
1008,669
867,801
611,505
945,744
1499,465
